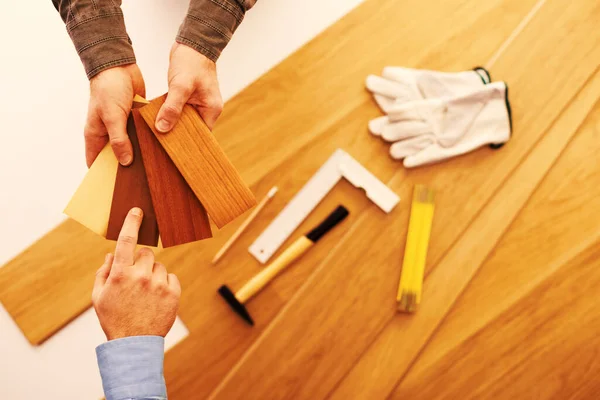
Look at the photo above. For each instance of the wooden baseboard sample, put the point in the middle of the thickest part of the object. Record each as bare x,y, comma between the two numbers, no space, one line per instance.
180,215
131,190
203,164
95,193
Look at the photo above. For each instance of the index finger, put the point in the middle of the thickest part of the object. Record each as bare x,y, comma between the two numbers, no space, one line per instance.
125,251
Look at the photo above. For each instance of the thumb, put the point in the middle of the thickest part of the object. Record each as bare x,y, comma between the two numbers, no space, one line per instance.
102,274
116,125
169,112
211,112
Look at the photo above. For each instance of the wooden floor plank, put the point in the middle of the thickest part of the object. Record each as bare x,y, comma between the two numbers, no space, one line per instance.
331,317
203,311
545,347
28,283
395,349
554,228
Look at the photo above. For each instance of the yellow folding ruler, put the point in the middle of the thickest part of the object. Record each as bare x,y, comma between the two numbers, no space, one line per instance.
415,253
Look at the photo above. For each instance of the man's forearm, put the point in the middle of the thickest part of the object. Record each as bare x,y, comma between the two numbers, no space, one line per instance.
210,24
97,29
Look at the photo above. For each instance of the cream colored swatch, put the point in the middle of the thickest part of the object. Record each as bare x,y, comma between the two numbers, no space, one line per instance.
90,205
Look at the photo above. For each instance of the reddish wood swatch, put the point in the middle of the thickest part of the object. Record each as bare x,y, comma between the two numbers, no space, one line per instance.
131,190
180,215
203,164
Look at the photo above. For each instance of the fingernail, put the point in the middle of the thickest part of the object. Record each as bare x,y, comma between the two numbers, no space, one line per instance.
162,125
136,211
126,160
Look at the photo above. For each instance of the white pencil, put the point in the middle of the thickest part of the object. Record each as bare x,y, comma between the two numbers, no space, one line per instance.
245,224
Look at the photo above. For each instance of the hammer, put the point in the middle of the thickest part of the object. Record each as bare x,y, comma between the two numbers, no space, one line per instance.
291,254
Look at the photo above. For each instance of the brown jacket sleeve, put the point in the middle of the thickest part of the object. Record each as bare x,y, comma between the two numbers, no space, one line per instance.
210,24
97,30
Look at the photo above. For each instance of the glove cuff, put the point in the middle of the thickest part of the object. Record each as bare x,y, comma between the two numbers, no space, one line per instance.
496,146
484,74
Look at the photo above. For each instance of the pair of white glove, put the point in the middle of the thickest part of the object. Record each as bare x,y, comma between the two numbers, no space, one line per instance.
432,116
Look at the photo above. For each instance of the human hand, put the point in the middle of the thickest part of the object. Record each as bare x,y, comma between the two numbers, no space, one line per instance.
192,80
133,295
111,97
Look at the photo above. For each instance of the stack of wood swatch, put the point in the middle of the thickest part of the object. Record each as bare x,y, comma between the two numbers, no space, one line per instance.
179,179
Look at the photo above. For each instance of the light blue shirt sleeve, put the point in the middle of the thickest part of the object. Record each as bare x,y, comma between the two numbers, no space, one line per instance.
132,368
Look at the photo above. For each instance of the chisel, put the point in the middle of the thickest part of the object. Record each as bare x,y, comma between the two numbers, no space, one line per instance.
291,254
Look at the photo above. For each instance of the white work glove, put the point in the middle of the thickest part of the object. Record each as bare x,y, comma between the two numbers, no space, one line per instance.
400,85
433,129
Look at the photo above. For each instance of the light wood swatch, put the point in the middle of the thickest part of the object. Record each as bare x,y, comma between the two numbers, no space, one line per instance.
90,205
180,215
203,164
139,101
131,190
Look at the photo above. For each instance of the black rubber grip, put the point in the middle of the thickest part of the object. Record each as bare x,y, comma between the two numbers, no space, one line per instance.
332,220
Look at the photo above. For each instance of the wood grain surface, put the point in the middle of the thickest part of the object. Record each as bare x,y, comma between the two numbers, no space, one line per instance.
327,328
132,190
328,351
390,356
520,267
180,215
34,289
349,132
203,164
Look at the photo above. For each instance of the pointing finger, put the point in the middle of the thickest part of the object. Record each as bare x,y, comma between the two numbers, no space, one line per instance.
125,251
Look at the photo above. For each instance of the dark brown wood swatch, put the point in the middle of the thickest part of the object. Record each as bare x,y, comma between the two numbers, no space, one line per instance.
131,190
180,215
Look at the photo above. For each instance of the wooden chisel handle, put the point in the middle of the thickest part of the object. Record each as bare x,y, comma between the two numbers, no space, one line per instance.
291,254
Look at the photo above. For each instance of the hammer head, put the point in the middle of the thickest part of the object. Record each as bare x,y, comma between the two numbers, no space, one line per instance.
235,304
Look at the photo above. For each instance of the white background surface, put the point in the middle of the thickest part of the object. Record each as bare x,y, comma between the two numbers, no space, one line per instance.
43,100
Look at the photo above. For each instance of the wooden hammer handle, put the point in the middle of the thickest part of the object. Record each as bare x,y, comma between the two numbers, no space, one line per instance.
291,254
